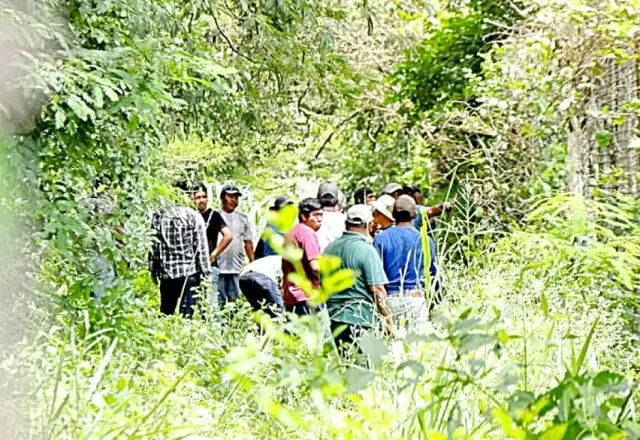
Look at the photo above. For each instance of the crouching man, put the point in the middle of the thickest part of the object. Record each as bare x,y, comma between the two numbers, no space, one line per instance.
260,283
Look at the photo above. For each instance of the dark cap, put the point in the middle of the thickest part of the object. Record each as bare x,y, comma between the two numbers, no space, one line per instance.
230,189
405,203
280,202
328,190
392,187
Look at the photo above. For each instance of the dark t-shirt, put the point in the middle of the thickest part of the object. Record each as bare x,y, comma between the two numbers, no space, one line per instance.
215,223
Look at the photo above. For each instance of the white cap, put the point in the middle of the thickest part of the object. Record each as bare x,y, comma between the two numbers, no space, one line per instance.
359,215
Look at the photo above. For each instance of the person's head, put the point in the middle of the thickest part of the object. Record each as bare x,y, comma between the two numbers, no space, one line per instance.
200,196
328,195
280,203
415,192
383,210
363,196
230,196
310,213
404,210
359,218
393,189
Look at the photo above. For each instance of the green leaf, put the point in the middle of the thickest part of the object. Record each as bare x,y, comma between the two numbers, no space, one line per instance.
338,281
472,342
585,348
544,304
284,219
358,379
609,382
61,117
80,108
603,139
556,432
632,428
329,263
292,253
374,348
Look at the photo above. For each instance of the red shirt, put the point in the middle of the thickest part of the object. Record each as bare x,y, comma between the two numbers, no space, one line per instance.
305,238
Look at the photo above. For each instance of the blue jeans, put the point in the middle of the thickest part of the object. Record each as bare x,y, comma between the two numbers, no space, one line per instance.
262,293
228,288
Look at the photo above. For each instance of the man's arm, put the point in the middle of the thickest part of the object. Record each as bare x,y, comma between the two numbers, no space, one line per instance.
222,245
434,211
248,248
380,297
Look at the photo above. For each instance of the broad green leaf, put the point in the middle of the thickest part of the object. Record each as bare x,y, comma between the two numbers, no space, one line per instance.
292,253
61,117
329,263
338,281
472,342
374,348
284,219
358,379
556,432
80,108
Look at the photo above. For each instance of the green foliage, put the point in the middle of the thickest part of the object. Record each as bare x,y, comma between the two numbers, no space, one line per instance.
438,70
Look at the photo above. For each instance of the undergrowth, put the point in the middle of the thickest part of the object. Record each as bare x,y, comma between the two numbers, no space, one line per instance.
535,339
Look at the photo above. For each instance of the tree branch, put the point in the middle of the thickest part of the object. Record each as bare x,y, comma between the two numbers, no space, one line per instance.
229,43
340,124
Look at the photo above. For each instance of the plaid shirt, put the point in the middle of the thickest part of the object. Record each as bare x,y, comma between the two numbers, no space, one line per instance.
180,248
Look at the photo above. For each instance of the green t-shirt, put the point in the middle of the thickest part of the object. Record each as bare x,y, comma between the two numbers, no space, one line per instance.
355,305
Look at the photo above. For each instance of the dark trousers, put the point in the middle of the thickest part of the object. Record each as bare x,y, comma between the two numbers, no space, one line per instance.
302,308
345,335
172,289
262,293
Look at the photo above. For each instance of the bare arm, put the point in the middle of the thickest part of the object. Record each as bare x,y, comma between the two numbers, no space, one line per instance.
248,247
222,245
380,297
315,266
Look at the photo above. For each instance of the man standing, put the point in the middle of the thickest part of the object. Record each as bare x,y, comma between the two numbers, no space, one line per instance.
382,213
215,226
303,235
230,261
264,249
353,310
260,283
179,257
402,255
333,220
363,196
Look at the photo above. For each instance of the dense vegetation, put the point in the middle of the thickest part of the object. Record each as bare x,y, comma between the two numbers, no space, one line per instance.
495,102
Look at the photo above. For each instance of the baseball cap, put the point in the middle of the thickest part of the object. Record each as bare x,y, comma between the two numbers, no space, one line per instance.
392,187
230,189
328,190
405,203
359,215
384,205
280,202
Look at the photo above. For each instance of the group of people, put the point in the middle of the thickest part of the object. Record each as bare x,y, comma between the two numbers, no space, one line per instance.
382,239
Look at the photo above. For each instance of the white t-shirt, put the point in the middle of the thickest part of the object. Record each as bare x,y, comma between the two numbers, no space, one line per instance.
332,228
270,266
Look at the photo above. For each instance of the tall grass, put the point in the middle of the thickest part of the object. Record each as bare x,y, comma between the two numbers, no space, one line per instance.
521,325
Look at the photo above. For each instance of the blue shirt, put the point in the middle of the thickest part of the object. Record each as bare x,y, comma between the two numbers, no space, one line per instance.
402,257
417,222
263,249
